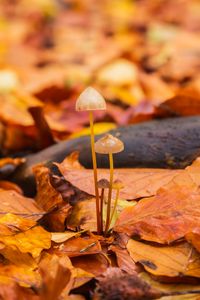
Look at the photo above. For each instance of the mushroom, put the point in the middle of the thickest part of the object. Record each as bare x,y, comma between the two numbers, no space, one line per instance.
109,145
90,100
102,184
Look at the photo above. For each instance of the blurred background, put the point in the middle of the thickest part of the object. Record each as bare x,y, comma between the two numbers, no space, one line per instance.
142,55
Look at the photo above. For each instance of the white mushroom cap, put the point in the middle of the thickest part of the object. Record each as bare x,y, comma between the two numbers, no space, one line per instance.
90,99
109,144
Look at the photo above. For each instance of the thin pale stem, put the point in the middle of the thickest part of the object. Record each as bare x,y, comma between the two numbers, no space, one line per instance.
114,208
94,161
101,207
109,192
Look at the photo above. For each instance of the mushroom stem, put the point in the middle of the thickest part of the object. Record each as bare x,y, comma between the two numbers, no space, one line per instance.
101,207
114,208
109,193
94,161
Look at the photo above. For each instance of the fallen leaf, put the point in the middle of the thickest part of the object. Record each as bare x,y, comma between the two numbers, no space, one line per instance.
11,291
138,183
55,277
14,108
156,90
83,215
124,261
164,218
57,209
95,264
7,185
180,105
77,278
194,239
186,289
78,246
27,236
14,203
60,237
24,276
171,261
17,258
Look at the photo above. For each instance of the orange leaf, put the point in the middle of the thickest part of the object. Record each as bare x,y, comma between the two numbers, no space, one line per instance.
14,203
138,183
166,261
164,218
27,237
56,275
50,200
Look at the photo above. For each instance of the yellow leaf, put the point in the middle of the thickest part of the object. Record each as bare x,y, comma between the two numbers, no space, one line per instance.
13,255
171,261
60,237
172,287
16,223
24,276
24,235
32,241
99,128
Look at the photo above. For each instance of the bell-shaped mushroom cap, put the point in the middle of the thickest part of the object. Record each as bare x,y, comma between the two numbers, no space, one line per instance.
90,99
103,184
118,184
108,144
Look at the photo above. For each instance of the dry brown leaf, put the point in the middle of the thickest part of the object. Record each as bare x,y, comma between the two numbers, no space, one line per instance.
172,287
13,291
194,239
79,246
180,105
50,200
14,203
17,258
60,237
171,261
22,275
55,277
95,264
83,215
77,278
8,185
164,218
138,183
155,88
14,108
124,261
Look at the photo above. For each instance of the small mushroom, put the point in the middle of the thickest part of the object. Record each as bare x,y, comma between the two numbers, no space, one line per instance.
109,145
102,184
90,100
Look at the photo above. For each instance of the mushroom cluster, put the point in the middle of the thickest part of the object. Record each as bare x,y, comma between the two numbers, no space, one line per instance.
90,100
